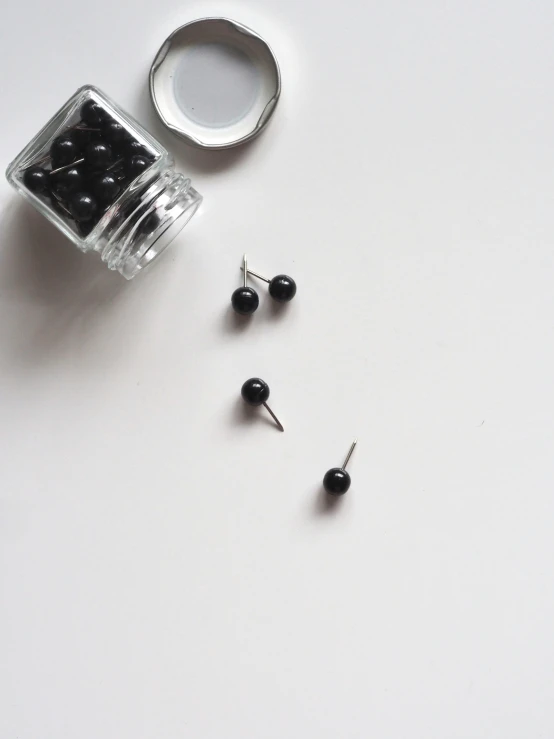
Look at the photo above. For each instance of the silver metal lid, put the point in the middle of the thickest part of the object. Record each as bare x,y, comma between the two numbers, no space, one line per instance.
215,83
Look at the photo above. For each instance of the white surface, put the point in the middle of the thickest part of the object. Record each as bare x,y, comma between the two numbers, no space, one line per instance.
167,568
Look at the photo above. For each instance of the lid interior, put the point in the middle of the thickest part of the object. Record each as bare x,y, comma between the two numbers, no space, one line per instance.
215,83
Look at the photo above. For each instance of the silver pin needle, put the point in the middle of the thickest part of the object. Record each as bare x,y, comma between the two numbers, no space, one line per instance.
66,166
255,274
349,453
277,421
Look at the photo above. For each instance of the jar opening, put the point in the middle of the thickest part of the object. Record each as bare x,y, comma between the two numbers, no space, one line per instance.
157,216
164,234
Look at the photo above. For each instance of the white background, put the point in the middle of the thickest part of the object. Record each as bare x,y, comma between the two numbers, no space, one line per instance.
168,566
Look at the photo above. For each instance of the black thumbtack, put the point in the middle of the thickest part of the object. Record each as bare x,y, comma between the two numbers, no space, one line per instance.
281,288
337,480
256,392
245,300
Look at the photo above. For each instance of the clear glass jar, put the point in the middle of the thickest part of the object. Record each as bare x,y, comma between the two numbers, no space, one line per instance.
105,182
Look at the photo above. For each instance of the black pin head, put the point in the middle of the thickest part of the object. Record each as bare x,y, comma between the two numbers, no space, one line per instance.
255,392
337,480
245,300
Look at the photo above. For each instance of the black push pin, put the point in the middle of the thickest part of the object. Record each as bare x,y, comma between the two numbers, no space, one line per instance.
256,392
245,299
337,481
282,288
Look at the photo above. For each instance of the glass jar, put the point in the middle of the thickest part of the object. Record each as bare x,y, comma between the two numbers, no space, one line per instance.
105,182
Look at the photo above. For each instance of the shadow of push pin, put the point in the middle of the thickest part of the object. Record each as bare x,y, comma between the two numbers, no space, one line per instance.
255,392
337,480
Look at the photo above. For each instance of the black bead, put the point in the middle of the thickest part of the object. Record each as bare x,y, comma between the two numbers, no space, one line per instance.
114,131
105,187
68,181
136,165
150,223
64,150
80,137
336,481
85,227
133,147
92,113
98,155
245,301
36,179
83,206
255,391
282,288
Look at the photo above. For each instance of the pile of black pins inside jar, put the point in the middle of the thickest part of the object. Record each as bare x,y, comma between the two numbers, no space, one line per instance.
89,164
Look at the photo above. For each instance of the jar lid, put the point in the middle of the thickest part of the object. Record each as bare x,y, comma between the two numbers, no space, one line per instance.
215,83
